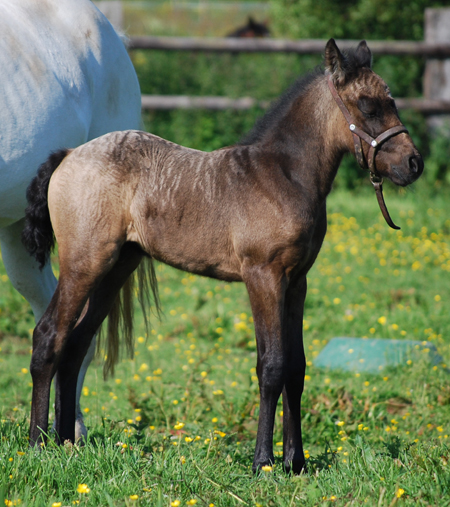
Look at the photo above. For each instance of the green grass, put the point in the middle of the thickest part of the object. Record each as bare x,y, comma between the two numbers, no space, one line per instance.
176,425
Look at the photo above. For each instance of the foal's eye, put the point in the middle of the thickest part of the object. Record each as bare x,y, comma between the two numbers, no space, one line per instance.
368,107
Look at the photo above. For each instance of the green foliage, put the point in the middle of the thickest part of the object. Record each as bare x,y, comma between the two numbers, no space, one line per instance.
351,19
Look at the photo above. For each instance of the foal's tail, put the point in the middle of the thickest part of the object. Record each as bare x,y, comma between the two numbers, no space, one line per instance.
37,235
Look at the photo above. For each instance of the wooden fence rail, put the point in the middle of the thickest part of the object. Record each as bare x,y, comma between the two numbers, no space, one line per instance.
302,47
168,102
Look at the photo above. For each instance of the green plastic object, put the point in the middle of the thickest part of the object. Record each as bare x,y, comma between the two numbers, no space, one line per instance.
374,354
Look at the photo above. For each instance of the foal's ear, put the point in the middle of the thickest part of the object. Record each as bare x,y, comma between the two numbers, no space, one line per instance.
364,54
334,62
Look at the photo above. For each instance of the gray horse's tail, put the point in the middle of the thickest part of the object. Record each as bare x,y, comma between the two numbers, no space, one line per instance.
38,236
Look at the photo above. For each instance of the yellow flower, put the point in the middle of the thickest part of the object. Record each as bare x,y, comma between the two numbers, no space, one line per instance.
382,320
266,468
340,423
83,488
192,501
134,497
20,453
178,426
400,492
56,504
175,503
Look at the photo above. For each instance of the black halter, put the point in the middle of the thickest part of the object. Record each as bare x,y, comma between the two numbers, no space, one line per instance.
374,144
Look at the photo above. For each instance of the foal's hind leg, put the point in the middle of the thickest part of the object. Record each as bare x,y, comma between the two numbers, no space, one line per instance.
98,307
49,339
295,374
80,276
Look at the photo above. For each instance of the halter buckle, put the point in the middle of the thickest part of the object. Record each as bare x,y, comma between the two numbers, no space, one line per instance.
375,178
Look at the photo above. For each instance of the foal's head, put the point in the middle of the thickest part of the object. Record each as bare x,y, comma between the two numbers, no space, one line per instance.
368,108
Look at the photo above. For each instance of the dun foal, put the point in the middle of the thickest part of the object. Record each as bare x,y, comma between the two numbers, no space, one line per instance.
254,212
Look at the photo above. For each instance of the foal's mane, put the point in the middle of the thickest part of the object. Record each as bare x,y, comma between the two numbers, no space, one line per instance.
276,113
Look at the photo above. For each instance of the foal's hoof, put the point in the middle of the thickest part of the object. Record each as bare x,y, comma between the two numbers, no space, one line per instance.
296,467
263,466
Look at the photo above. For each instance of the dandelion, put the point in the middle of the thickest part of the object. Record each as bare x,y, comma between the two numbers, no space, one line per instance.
179,426
192,501
400,492
134,497
83,488
267,468
175,503
56,504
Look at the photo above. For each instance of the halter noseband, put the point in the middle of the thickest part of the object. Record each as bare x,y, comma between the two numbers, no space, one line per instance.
374,143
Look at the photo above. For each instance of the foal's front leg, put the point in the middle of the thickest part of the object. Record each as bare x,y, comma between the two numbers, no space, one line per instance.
295,376
266,288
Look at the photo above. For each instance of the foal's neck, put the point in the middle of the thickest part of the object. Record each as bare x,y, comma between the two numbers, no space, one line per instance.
308,139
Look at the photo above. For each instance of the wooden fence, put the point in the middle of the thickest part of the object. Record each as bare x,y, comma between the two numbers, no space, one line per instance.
436,49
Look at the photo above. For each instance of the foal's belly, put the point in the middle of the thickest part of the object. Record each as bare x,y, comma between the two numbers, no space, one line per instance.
203,251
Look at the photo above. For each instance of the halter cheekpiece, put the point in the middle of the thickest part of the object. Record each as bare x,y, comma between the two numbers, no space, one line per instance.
374,144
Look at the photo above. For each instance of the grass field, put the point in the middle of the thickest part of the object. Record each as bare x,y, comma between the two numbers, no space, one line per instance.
176,425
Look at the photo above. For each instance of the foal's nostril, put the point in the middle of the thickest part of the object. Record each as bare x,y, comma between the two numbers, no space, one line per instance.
415,164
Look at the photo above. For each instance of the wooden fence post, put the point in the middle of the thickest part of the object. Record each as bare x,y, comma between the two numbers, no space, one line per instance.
437,71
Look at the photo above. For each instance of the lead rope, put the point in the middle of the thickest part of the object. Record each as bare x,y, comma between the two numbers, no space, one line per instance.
358,134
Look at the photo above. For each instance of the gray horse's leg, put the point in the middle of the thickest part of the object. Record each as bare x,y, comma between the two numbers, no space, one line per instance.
37,287
80,428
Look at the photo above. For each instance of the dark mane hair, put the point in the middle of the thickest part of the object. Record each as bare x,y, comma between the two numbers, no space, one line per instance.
279,108
352,62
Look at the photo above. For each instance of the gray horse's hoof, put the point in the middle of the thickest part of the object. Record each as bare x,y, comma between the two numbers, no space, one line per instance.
80,431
